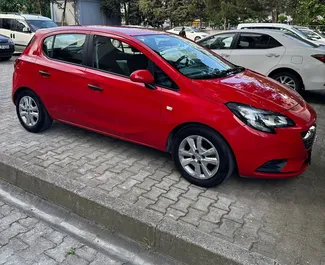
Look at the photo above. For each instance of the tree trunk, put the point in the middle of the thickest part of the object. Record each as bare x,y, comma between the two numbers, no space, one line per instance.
39,7
126,14
64,12
225,23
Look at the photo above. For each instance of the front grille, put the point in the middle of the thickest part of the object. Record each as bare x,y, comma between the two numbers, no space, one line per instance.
309,137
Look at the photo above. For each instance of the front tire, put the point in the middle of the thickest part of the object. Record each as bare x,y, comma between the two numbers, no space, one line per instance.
197,38
202,156
31,112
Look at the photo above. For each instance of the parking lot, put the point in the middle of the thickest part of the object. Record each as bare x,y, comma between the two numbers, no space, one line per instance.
281,219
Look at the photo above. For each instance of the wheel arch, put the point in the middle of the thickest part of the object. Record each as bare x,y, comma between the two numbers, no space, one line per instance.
186,125
286,69
18,91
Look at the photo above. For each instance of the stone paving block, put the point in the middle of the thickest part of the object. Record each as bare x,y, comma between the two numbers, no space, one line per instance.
192,193
86,253
206,226
266,244
154,193
5,210
119,168
135,168
147,184
214,215
133,195
227,229
161,205
182,204
158,175
173,193
14,260
14,245
44,260
33,235
59,253
141,175
223,203
11,232
143,202
165,183
117,192
174,214
6,221
192,217
237,214
203,204
177,177
55,236
128,184
37,248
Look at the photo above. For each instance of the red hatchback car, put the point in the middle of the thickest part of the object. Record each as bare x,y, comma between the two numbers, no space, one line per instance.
166,92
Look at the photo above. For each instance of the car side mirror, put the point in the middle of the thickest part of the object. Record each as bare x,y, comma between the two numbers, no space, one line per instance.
26,29
142,76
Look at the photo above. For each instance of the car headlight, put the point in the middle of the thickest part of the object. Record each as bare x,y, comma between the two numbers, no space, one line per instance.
259,119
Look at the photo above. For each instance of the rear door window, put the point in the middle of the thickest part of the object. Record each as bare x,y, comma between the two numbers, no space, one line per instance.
5,23
256,41
67,47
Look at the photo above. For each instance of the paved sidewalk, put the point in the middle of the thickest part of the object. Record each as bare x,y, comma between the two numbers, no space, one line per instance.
25,240
281,219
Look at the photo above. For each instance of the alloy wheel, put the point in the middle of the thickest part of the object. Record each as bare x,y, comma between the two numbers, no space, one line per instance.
28,111
287,81
199,157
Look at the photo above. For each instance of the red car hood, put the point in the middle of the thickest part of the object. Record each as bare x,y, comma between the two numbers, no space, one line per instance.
253,89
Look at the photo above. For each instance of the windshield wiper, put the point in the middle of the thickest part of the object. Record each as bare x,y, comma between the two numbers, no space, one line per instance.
235,70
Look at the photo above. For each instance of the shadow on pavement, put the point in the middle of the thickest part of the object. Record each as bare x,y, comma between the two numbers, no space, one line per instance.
315,97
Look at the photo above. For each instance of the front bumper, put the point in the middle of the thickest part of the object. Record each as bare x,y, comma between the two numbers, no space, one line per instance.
7,52
281,155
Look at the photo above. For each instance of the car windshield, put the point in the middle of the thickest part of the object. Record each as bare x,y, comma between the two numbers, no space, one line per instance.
190,59
40,24
301,41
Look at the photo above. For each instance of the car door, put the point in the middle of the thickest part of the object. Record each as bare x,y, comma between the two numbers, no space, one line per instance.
116,105
5,27
21,34
60,72
259,52
221,44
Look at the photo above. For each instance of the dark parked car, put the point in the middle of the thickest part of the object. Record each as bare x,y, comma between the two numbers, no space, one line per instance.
7,48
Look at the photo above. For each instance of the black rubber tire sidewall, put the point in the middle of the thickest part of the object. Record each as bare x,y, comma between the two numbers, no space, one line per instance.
44,120
293,76
197,38
227,163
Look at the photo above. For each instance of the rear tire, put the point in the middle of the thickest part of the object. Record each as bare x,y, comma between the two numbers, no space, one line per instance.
31,112
199,166
197,38
287,78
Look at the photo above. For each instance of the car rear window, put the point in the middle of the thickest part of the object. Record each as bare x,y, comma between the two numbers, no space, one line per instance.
65,47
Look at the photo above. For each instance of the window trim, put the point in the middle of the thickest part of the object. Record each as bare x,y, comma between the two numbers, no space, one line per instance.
116,37
85,48
255,33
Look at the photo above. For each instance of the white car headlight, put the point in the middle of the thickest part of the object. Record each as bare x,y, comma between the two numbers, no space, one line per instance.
262,120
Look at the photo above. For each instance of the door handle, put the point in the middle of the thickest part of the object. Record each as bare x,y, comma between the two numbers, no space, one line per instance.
44,73
272,55
95,88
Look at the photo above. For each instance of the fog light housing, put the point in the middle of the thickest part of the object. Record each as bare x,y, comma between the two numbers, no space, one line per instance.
273,166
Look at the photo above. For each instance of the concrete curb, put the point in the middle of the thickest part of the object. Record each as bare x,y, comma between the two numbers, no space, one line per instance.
166,236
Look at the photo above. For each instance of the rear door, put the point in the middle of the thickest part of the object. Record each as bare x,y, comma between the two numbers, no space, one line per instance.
21,34
221,44
259,52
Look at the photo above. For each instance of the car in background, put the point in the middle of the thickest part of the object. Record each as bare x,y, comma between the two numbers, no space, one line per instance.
191,33
292,30
7,48
21,28
312,34
169,93
296,63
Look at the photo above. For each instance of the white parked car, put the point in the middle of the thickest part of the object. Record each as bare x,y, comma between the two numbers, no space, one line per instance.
21,28
191,33
312,34
296,63
293,30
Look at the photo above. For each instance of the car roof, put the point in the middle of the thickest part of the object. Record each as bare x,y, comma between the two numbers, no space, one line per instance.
259,31
127,31
277,25
25,16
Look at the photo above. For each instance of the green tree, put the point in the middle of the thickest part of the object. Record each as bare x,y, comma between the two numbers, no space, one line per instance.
154,12
112,9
